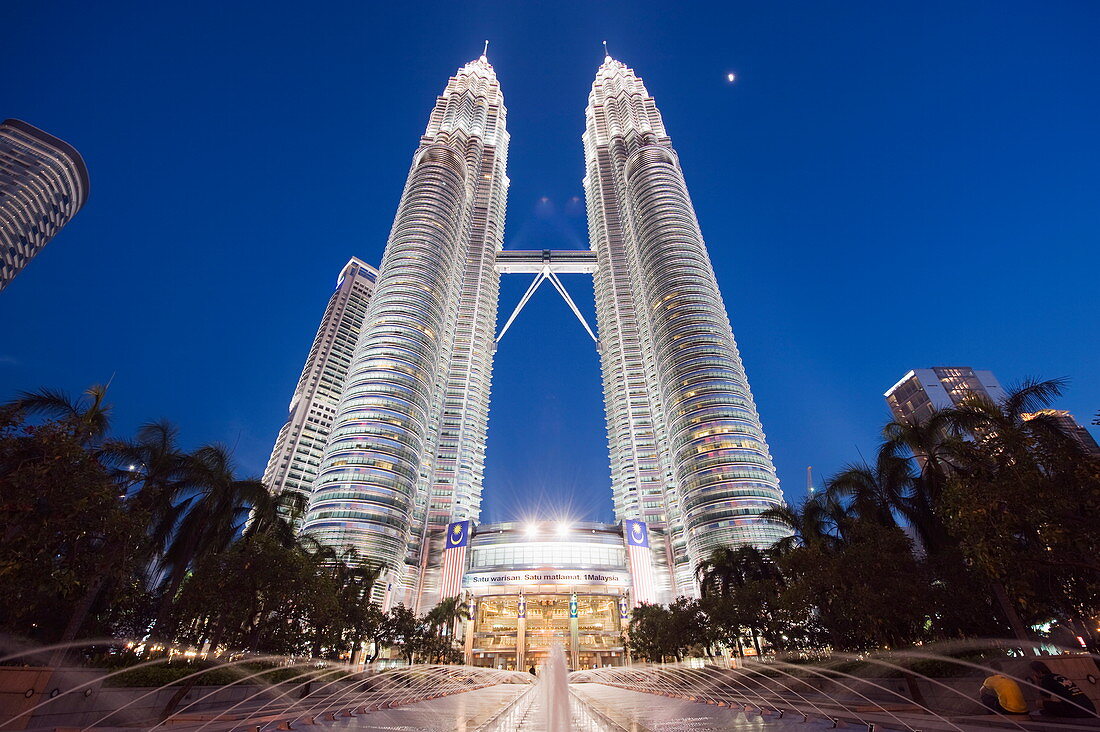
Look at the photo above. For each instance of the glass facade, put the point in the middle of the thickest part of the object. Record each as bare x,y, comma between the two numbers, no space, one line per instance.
43,183
531,586
298,450
688,452
923,391
405,453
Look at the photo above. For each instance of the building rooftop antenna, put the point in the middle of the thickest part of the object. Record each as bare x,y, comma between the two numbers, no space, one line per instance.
485,51
605,53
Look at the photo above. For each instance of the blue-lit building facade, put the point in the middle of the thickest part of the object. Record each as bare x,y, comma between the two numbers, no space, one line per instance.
403,463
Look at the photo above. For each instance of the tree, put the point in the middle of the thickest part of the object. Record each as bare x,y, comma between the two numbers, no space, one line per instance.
750,578
811,523
212,514
650,633
438,642
405,631
64,533
87,417
868,594
1024,503
872,492
152,473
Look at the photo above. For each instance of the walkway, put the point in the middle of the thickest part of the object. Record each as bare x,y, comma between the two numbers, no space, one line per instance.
637,711
464,712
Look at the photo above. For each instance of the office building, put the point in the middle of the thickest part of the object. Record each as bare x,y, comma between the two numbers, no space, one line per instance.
923,391
533,585
405,456
1070,427
43,183
688,452
298,448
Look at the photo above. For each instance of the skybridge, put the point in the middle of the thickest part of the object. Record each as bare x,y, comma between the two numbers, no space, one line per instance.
546,265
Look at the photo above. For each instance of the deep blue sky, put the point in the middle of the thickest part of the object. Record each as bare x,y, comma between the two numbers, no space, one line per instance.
886,186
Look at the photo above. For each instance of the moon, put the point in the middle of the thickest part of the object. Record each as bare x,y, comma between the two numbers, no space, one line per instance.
731,77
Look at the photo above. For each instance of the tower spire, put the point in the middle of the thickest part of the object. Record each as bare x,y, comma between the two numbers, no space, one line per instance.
485,52
606,55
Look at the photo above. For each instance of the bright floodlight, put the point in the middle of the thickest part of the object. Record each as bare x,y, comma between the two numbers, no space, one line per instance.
563,528
532,529
731,77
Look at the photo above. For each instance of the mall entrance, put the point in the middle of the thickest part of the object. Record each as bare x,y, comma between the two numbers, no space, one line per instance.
517,631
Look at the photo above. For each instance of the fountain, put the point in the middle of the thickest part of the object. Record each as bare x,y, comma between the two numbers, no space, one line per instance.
884,691
555,691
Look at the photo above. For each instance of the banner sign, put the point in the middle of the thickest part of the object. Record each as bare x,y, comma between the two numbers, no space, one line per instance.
546,577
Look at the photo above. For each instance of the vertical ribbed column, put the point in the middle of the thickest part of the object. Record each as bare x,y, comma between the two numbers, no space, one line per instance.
406,452
676,394
725,474
363,496
451,479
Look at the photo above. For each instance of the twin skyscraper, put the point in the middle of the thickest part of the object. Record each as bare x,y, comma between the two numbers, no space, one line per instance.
404,455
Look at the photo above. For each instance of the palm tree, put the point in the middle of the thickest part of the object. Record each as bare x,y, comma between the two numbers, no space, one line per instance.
212,515
1014,443
1015,434
153,473
443,618
448,613
88,416
809,523
276,515
872,492
729,569
933,443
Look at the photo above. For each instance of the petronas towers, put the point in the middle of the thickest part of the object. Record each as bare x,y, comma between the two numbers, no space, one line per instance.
406,450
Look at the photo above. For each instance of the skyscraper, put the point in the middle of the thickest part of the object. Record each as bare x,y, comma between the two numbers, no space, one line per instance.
405,455
923,391
688,451
297,453
1070,427
406,451
43,183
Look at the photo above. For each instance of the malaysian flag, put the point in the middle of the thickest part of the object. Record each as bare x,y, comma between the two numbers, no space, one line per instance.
454,558
636,534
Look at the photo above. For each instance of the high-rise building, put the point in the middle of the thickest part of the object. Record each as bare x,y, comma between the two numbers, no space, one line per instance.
688,451
406,451
297,453
43,183
1070,427
403,466
923,391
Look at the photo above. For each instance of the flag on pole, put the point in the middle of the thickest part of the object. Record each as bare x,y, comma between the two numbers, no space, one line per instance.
454,558
636,534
